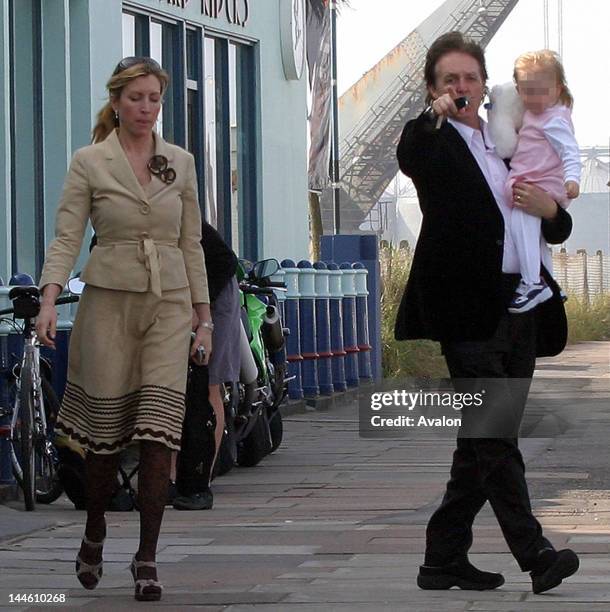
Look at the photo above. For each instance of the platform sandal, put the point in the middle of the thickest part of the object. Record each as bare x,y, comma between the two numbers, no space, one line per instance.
147,589
86,569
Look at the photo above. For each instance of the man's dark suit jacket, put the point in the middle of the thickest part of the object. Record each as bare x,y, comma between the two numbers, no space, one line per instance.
454,291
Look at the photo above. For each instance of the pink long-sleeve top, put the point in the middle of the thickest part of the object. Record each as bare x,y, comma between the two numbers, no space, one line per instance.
547,153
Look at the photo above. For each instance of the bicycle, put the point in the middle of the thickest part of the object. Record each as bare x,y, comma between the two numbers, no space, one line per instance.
33,405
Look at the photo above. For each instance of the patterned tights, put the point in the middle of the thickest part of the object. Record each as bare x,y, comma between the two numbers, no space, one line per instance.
153,478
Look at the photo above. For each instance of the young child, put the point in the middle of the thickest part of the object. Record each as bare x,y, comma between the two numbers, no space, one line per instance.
547,155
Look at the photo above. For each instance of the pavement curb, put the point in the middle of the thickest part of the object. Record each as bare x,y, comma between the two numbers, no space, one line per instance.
341,398
326,403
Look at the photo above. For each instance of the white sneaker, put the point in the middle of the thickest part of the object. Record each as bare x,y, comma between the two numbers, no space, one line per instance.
529,296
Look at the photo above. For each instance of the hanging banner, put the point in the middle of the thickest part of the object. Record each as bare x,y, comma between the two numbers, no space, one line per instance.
315,17
321,104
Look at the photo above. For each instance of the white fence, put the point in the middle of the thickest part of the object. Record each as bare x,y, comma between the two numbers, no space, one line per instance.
582,274
577,273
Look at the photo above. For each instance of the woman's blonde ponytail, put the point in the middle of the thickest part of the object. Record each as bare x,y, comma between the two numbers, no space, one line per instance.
105,123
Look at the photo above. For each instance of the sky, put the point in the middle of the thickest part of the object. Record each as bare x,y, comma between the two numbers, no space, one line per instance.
371,28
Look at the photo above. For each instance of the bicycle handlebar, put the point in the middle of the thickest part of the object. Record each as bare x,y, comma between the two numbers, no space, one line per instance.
256,290
66,299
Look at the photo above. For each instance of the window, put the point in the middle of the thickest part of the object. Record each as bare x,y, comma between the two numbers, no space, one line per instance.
129,35
247,134
236,243
27,157
244,182
194,103
156,52
161,41
211,166
211,109
230,168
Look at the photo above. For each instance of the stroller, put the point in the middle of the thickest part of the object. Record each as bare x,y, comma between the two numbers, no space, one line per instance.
194,460
72,475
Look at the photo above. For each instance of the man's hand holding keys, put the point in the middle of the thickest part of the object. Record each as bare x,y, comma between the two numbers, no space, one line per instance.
448,105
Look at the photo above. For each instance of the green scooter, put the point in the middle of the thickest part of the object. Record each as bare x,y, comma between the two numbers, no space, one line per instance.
254,425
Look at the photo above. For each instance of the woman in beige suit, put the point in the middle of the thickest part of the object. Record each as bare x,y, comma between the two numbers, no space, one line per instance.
129,347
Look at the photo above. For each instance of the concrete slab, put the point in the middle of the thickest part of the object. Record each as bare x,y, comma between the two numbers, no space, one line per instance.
335,522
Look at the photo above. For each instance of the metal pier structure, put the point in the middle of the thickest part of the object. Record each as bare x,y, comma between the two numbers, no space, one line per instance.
374,110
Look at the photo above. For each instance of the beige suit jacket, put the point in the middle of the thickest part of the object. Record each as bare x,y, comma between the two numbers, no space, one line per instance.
148,238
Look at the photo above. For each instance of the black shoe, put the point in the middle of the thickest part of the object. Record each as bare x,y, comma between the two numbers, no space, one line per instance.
172,493
459,573
197,501
553,567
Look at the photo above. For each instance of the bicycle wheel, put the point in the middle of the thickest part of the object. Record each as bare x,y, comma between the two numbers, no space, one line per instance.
48,484
23,438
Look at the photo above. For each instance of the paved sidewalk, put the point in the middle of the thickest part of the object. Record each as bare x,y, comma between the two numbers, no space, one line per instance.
332,522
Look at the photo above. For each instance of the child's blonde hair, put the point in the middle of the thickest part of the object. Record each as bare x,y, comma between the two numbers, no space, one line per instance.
545,60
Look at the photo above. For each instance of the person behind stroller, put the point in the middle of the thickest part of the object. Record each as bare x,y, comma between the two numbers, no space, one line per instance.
196,459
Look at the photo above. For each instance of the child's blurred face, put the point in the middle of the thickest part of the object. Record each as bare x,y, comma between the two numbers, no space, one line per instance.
538,89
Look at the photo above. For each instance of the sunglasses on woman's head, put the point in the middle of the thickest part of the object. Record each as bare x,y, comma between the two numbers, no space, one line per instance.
128,62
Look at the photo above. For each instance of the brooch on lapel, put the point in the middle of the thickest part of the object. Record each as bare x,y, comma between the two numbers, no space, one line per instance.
158,165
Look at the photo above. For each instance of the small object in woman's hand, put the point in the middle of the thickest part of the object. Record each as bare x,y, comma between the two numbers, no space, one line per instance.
199,356
461,102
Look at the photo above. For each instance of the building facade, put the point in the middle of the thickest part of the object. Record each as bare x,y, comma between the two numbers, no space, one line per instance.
237,100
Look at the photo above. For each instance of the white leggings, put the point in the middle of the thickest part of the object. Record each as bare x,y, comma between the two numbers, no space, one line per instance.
526,233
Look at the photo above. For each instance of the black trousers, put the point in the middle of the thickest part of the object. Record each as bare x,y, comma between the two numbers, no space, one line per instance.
490,468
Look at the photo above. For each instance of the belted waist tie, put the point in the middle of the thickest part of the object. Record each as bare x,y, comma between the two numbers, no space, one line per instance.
148,255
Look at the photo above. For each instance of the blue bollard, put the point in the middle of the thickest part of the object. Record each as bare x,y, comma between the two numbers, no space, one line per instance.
325,374
350,343
362,323
6,470
293,345
364,249
10,344
336,327
12,350
307,322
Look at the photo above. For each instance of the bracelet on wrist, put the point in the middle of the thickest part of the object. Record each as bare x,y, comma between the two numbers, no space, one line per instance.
206,325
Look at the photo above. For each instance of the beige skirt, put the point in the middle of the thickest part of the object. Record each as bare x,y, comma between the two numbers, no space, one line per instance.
127,368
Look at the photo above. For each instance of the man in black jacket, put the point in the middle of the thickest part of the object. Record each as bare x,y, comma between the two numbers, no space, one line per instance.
463,274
